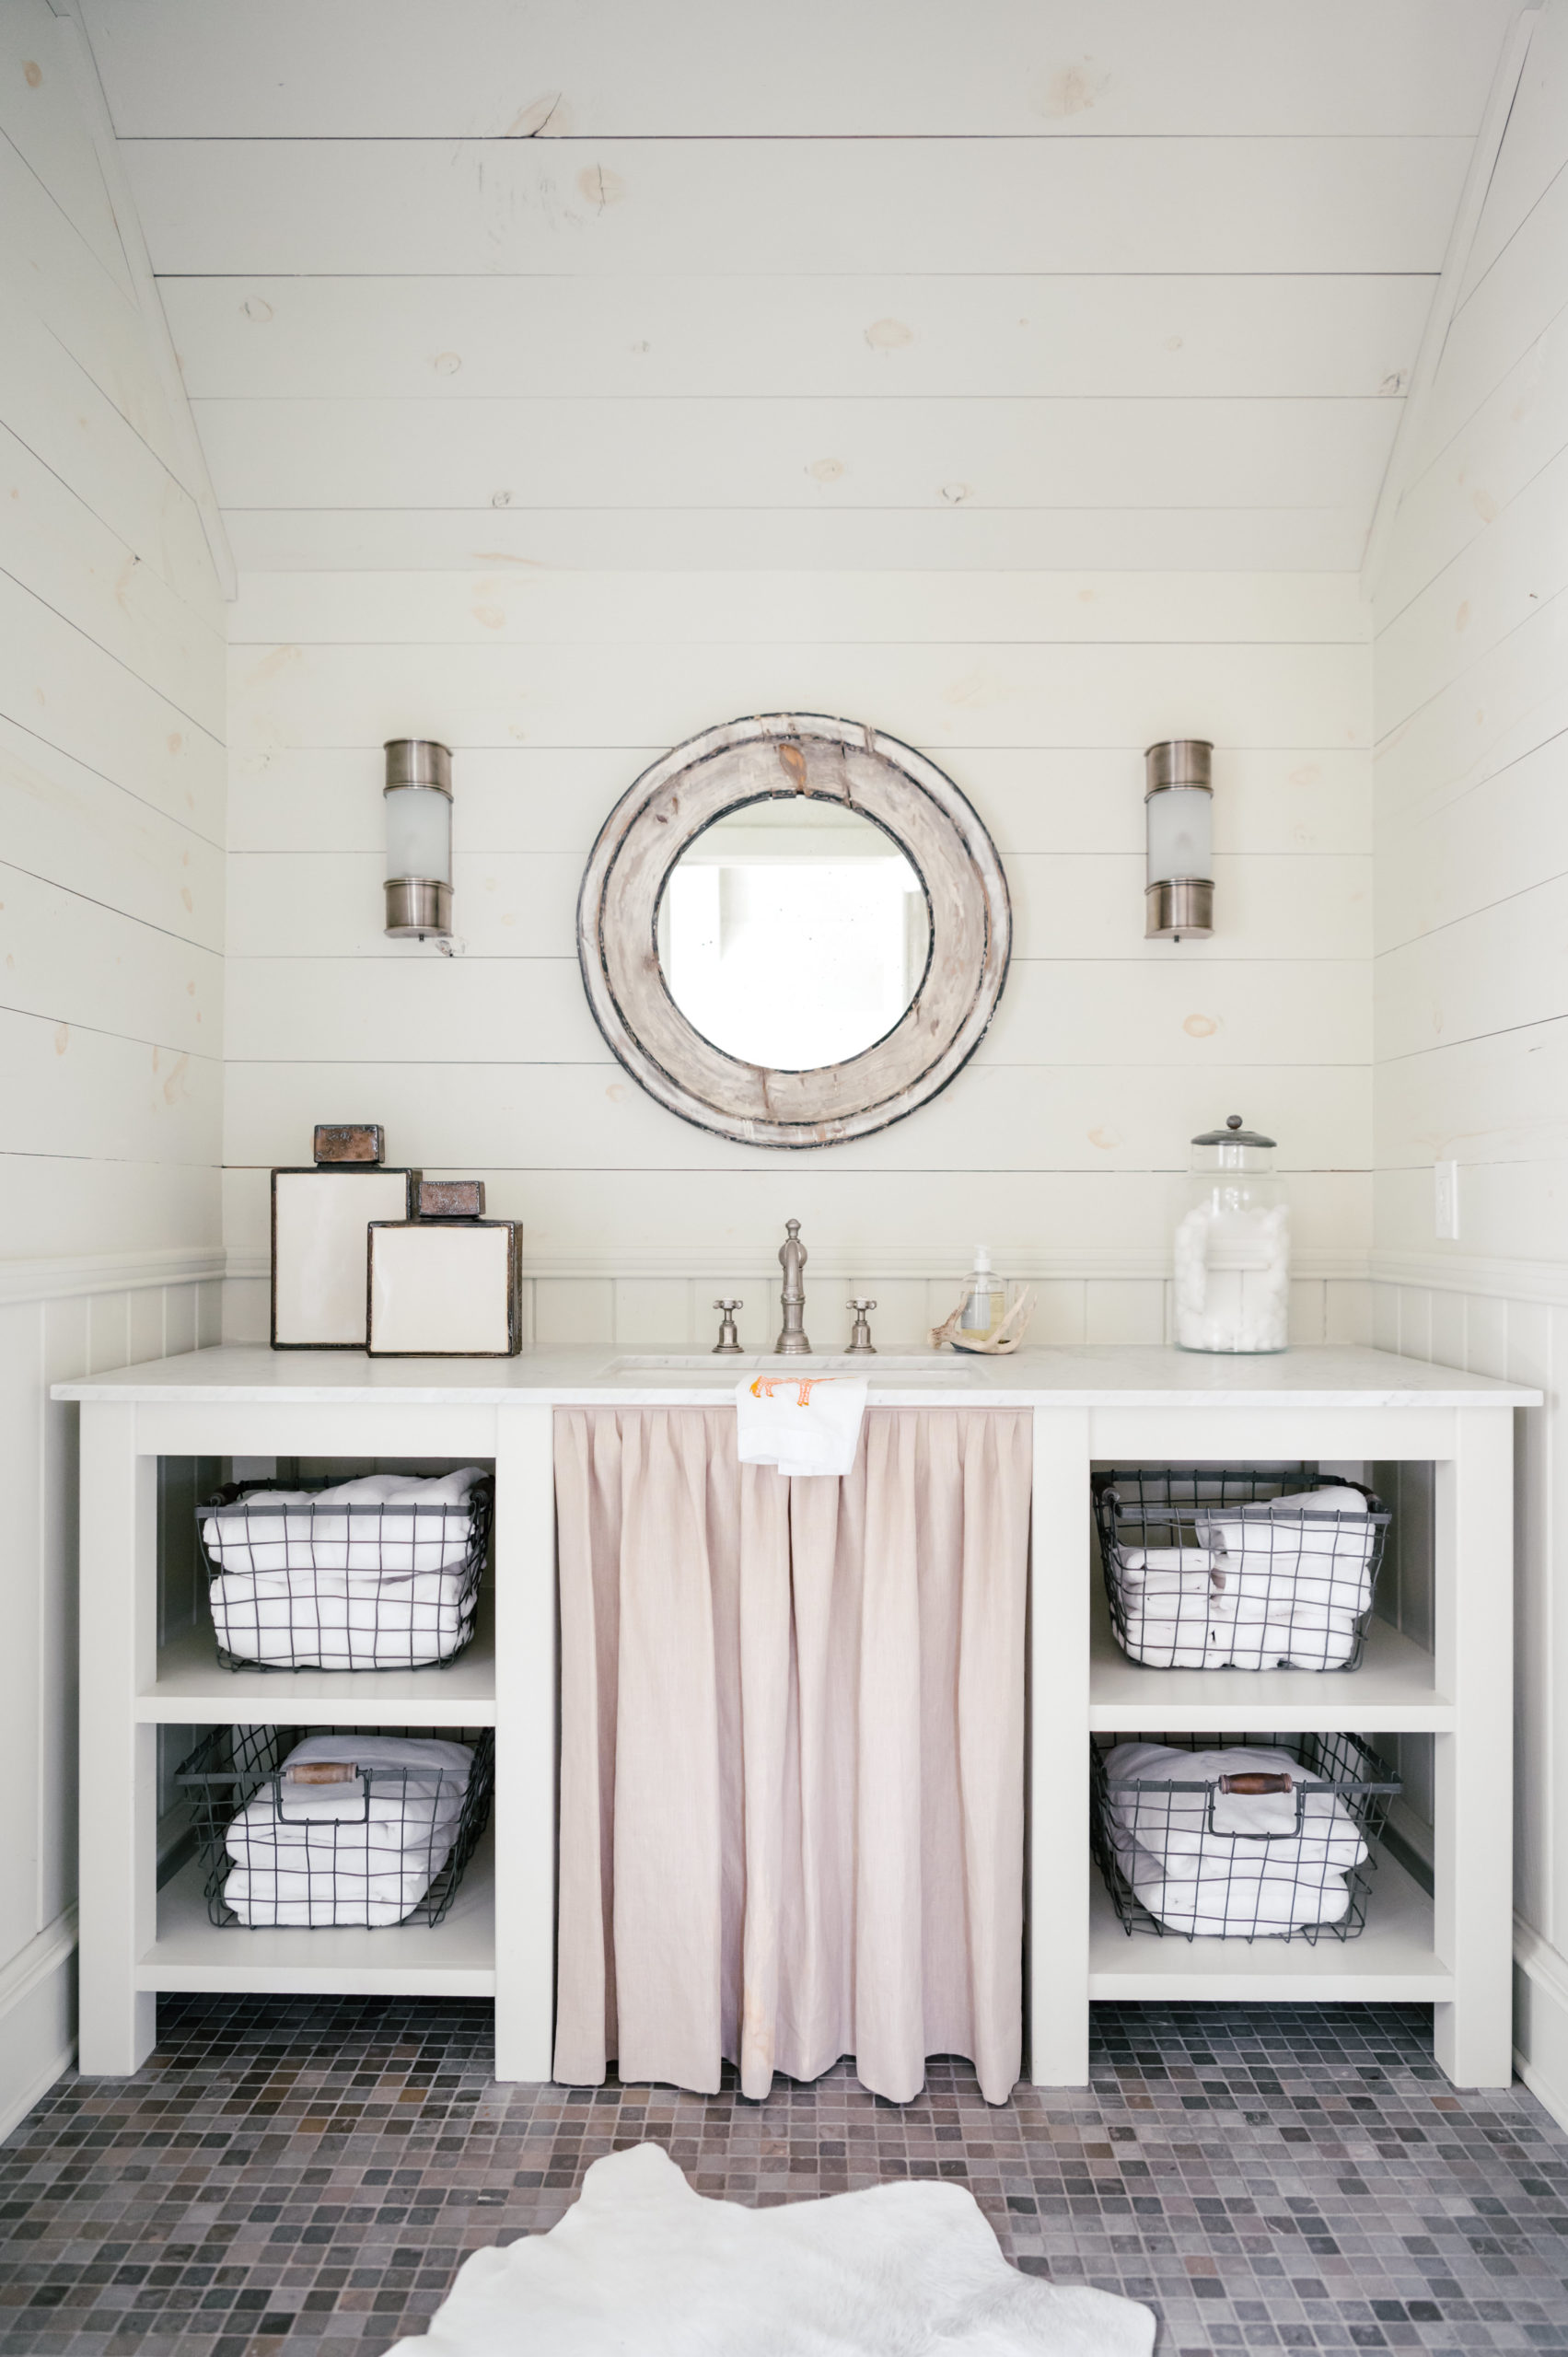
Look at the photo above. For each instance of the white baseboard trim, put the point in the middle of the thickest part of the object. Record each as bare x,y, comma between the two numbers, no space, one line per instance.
37,2017
1541,2011
13,2108
89,1273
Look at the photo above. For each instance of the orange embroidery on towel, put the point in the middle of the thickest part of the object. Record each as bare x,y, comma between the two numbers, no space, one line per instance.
763,1388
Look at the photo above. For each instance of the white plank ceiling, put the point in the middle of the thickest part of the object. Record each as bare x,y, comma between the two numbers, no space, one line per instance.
1027,283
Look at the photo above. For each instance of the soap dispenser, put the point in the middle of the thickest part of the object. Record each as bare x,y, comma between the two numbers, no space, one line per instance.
984,1301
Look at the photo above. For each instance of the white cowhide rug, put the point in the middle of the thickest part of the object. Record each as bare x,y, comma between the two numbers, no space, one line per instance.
643,2267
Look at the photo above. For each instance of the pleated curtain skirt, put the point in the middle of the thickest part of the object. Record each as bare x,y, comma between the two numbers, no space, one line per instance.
792,1750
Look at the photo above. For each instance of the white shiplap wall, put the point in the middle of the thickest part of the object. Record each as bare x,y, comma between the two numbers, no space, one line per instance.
1471,979
602,284
1036,693
111,911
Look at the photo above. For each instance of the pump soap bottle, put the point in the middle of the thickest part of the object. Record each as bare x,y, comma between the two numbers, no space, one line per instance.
984,1303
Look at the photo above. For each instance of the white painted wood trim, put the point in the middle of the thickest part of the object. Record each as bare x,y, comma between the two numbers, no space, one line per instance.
43,1953
82,65
24,1994
1030,1264
16,2107
1543,1280
118,1828
1058,1869
1546,1969
1473,1837
525,1769
1446,296
93,1272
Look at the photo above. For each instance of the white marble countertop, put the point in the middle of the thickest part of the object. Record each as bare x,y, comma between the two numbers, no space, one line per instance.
1090,1376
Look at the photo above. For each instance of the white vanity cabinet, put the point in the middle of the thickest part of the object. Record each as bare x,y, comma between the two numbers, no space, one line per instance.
1122,1406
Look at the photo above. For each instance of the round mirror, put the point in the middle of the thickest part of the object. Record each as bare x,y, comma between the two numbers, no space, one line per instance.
793,930
796,888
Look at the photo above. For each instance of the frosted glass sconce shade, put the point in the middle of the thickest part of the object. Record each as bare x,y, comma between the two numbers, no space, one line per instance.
418,796
1179,808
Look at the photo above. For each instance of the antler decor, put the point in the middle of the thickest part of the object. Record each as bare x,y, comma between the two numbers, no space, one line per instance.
1007,1337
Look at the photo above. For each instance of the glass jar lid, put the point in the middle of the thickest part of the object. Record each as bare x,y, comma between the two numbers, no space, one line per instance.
1234,1134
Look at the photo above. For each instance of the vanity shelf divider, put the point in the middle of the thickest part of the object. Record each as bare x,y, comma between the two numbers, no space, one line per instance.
1394,1691
190,1687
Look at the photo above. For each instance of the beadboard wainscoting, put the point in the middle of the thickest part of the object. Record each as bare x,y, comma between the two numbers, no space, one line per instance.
111,911
1471,1010
59,1319
1036,693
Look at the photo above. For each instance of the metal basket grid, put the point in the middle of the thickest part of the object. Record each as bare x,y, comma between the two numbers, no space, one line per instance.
233,1765
1232,1868
1287,1591
354,1589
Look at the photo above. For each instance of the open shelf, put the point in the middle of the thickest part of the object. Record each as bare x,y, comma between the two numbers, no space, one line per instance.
457,1959
1392,1961
1393,1693
191,1687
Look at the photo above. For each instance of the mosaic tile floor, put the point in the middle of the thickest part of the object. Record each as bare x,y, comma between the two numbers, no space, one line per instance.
301,2177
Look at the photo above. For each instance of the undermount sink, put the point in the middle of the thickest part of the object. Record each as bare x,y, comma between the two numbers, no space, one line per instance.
898,1370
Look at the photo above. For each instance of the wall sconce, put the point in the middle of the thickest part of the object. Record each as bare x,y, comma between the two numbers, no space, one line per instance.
1178,813
418,796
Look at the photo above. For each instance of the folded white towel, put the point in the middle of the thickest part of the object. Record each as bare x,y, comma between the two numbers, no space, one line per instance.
1165,1599
1233,1907
334,1619
1167,1570
253,1535
1283,1645
1161,1647
1282,1555
347,1853
804,1424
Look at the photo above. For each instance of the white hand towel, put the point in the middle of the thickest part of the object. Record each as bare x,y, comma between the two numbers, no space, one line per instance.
802,1424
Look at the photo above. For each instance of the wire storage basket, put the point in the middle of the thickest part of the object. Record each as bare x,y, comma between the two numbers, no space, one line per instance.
341,1826
1238,1567
1239,1837
317,1579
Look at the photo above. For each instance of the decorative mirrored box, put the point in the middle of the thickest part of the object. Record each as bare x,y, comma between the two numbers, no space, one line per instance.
447,1283
319,1217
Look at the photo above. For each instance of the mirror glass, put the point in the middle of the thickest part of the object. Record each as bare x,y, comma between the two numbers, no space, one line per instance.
793,932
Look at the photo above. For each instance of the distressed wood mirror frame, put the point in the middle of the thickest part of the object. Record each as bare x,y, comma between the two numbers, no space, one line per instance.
772,756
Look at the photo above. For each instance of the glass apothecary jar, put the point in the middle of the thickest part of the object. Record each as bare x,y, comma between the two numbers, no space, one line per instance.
1233,1246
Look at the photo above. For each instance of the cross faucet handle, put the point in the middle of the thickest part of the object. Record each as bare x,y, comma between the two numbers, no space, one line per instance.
728,1343
860,1345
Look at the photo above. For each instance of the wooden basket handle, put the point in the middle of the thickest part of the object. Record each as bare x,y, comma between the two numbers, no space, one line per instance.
1256,1780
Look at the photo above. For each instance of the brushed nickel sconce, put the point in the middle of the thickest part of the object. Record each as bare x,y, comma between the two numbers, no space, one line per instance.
418,796
1178,813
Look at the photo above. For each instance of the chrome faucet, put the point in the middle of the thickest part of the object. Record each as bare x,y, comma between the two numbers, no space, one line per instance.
792,1343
